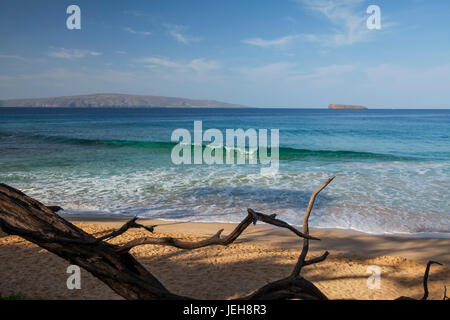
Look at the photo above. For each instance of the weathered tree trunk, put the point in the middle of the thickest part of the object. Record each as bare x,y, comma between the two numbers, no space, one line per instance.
28,218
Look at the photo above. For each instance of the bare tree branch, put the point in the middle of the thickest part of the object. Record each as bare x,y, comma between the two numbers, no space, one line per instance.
425,283
181,244
316,260
425,278
270,219
302,257
55,208
213,240
130,224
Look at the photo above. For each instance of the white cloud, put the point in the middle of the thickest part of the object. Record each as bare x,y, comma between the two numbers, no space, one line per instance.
142,33
280,42
11,56
21,59
178,33
70,54
331,71
203,65
159,62
198,65
288,72
348,18
269,72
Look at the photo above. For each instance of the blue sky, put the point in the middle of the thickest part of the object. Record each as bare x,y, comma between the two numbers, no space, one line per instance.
294,53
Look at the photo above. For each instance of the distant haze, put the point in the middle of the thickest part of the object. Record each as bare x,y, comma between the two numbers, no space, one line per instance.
116,100
345,106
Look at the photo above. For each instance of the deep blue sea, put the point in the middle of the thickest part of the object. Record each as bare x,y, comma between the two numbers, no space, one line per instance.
392,167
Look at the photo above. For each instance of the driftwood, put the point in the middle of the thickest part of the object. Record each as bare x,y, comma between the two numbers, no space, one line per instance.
113,264
425,283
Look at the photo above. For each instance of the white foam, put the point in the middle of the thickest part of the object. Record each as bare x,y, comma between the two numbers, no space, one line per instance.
377,198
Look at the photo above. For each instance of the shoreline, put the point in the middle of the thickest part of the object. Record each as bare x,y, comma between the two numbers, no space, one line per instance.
335,239
120,217
260,255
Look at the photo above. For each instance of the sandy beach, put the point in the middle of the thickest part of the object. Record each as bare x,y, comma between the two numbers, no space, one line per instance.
260,255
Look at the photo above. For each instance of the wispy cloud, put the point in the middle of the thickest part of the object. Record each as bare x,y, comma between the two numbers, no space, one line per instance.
327,73
199,65
159,62
178,32
203,65
71,54
280,42
16,58
347,18
142,33
292,73
12,56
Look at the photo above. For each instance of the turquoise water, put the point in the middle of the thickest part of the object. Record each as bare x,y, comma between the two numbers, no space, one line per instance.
392,167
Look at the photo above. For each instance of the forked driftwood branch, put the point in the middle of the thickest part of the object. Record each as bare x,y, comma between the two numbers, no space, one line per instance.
115,266
216,239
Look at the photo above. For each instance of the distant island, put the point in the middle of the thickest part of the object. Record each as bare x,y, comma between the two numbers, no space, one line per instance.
116,100
344,106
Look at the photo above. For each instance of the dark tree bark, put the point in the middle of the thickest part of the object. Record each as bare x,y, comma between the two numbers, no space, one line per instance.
20,215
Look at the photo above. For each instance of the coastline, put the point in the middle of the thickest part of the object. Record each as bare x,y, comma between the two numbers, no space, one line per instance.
345,242
100,216
261,254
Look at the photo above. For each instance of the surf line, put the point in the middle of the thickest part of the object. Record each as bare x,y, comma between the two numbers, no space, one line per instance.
236,149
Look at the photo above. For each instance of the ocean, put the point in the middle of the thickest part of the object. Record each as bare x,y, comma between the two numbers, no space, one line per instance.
392,167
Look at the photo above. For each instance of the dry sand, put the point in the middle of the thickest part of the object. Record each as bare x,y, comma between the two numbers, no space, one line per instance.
260,255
